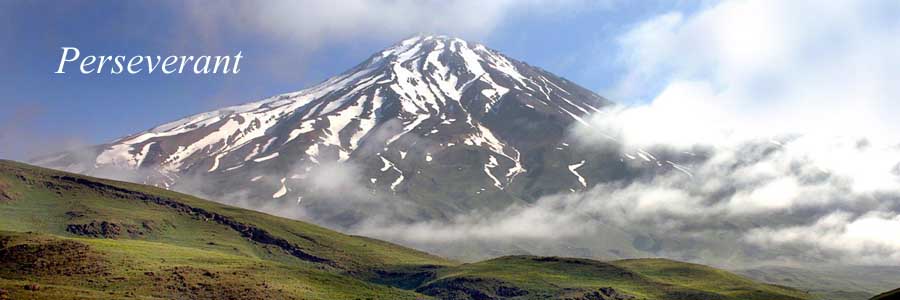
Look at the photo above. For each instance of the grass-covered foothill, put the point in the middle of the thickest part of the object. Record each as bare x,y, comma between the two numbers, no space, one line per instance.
66,236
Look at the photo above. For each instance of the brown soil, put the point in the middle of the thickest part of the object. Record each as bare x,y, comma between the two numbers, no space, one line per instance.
195,283
604,293
64,258
466,288
5,193
105,229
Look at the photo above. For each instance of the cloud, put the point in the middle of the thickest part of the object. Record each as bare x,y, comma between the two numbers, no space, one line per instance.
758,66
867,238
316,23
328,193
795,113
296,33
316,20
783,127
741,206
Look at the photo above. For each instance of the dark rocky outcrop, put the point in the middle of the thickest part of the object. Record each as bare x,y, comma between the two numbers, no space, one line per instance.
603,293
246,230
110,230
686,295
96,229
406,278
467,288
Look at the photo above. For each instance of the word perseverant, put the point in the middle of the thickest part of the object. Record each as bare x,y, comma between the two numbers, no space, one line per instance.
204,64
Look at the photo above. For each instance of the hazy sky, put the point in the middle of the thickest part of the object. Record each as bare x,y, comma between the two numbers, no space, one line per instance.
287,45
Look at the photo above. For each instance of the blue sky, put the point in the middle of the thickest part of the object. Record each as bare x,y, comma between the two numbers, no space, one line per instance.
789,63
45,110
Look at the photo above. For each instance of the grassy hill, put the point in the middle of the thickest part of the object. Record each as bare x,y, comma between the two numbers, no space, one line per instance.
570,278
66,236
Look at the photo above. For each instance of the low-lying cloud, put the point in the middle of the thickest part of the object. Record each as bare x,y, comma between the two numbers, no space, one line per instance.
782,127
761,199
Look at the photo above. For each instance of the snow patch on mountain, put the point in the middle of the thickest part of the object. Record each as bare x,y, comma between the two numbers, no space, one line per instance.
574,169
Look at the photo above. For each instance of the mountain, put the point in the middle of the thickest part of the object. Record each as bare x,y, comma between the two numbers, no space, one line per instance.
845,282
68,236
448,124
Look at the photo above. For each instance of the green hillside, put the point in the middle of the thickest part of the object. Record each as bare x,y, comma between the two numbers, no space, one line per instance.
570,278
66,236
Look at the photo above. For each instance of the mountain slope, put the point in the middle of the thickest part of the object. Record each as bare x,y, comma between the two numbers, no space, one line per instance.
448,124
831,282
151,241
67,236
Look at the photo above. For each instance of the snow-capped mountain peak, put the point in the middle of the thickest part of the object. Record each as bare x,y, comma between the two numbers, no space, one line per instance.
406,111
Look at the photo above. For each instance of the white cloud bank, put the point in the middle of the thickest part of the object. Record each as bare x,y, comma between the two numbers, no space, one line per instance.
825,74
763,66
757,202
784,114
869,239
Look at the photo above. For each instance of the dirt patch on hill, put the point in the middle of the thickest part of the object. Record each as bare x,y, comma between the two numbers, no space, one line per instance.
406,278
604,293
196,283
52,257
692,294
6,194
110,230
469,288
